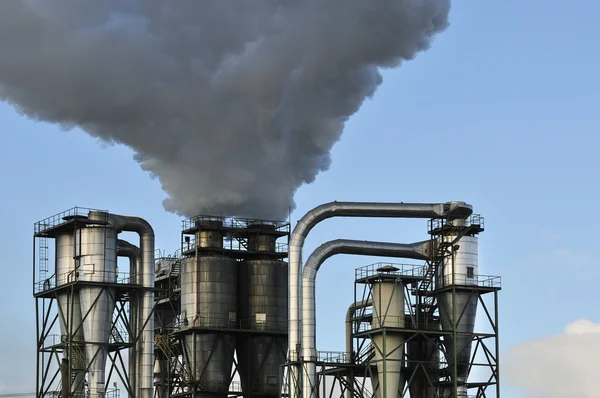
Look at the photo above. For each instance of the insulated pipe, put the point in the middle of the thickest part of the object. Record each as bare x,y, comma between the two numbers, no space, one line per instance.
419,251
145,276
132,252
349,315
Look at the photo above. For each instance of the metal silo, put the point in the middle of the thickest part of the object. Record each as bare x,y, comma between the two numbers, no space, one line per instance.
458,307
96,249
70,311
388,347
262,309
208,310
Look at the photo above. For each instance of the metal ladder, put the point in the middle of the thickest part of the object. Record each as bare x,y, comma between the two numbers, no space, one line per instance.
43,259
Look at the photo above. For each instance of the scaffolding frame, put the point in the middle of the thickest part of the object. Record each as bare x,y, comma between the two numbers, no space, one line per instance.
350,377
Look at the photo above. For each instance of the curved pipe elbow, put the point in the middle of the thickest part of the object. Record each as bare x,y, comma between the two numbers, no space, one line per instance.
126,249
423,250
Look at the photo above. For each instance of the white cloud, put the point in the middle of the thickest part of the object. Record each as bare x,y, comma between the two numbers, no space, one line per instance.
564,365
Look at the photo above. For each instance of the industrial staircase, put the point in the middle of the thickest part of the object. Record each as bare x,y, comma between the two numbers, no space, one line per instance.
168,347
175,269
440,230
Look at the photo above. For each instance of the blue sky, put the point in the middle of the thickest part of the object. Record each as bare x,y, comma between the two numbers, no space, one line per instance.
501,112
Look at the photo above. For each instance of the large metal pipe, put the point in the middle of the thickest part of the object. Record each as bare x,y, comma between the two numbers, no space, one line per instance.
419,251
145,276
132,252
349,353
347,209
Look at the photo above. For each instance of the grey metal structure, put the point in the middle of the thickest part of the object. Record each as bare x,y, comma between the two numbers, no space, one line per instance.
233,299
90,300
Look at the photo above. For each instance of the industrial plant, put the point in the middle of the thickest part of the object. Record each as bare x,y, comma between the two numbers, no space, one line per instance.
232,313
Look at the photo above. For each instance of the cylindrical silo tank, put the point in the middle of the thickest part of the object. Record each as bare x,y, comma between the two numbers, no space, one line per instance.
388,312
458,310
70,311
209,300
97,251
262,307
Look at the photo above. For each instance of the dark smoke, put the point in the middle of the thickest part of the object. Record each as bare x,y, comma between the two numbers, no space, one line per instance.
231,104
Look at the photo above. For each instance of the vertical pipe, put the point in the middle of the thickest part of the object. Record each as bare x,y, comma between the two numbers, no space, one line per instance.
132,252
349,314
384,355
497,344
145,351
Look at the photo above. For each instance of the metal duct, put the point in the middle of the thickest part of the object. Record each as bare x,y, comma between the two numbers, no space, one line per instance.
132,252
347,209
145,276
349,315
419,251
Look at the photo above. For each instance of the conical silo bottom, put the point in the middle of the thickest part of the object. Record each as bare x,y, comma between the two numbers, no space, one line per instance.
210,361
97,306
259,362
389,377
465,311
70,321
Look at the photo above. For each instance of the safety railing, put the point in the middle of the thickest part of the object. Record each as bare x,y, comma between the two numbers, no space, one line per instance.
62,218
332,357
465,280
81,276
381,268
215,321
436,224
230,244
236,223
387,321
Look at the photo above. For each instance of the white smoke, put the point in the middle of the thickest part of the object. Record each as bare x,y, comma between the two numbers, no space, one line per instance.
231,104
560,366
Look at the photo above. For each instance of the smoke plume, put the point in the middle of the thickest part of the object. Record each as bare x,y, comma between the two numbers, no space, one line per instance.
231,104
